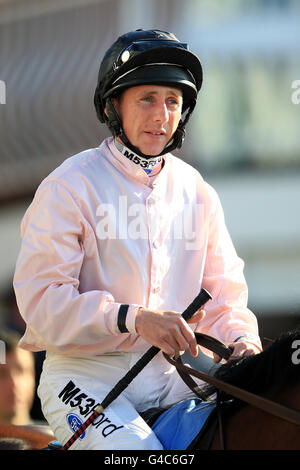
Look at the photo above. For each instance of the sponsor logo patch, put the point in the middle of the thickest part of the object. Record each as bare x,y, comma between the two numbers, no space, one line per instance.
72,396
74,423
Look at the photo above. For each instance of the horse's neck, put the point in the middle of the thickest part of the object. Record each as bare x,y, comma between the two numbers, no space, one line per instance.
288,395
249,428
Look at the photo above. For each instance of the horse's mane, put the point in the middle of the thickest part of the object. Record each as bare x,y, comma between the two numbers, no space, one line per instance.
273,367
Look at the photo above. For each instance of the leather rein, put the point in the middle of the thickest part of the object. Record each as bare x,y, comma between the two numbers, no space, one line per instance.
216,346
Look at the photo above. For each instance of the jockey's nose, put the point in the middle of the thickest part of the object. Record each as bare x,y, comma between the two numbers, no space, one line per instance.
160,112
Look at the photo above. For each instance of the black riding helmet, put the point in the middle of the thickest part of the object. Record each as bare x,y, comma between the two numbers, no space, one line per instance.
143,58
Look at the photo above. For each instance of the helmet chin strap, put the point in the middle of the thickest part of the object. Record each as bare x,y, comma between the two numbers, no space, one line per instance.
115,125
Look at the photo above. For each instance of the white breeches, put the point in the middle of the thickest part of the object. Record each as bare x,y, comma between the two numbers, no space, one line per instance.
71,388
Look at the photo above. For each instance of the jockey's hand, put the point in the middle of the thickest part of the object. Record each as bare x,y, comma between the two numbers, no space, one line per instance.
167,330
239,349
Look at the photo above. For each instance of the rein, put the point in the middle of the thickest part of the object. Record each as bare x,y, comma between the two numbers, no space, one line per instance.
269,406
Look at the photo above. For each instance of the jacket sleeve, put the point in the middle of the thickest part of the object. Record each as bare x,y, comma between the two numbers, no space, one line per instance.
227,315
47,274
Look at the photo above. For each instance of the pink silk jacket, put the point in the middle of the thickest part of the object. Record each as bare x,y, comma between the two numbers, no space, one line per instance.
99,235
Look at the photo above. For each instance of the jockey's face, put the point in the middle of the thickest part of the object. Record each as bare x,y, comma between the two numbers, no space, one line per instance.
150,115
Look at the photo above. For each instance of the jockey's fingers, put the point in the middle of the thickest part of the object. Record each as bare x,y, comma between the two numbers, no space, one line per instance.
167,348
185,337
198,316
181,344
249,352
191,341
181,337
172,344
175,348
216,358
241,349
178,337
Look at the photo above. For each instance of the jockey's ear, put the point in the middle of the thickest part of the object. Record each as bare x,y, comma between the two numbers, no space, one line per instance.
116,104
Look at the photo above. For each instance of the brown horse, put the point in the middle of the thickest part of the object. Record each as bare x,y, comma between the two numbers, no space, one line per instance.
273,374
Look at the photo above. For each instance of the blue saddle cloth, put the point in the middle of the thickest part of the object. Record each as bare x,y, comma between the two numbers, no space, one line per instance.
177,427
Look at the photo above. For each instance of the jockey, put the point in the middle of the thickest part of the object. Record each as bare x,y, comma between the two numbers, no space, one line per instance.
117,242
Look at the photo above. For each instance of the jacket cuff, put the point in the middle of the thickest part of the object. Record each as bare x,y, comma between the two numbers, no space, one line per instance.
126,318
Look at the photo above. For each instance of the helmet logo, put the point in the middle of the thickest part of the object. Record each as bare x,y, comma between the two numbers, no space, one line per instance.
125,56
160,36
